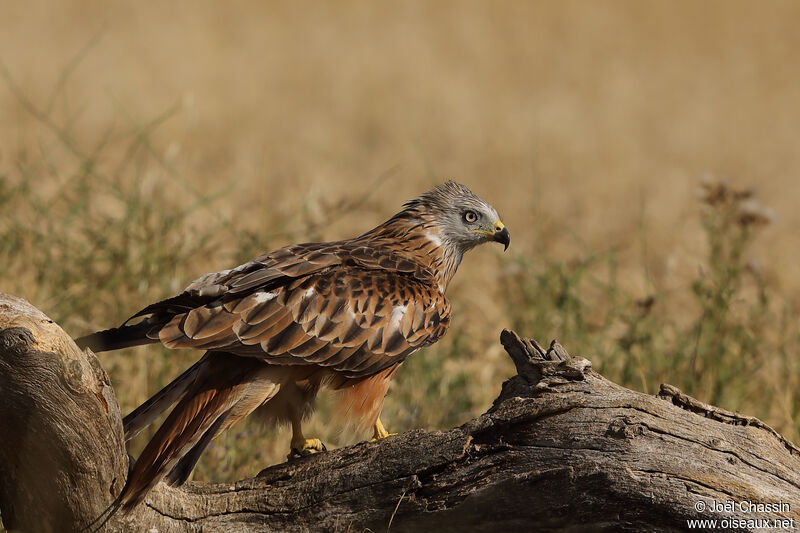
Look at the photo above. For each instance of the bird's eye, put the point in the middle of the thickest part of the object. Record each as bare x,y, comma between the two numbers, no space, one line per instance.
470,216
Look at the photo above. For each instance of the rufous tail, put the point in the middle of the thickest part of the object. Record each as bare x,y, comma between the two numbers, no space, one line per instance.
225,388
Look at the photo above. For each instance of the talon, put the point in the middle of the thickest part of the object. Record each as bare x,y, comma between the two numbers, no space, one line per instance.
305,448
379,432
373,439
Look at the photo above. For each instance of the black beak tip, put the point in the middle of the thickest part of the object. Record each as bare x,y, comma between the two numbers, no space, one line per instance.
503,237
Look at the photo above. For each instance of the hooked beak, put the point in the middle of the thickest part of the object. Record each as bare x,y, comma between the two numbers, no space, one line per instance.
501,235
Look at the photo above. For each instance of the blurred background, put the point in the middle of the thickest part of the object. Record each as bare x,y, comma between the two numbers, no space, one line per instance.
643,154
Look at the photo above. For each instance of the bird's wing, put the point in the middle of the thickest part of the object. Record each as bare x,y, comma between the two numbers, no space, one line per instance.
354,320
274,268
345,305
282,266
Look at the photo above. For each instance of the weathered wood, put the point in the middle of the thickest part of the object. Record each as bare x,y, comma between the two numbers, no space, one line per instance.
63,454
561,449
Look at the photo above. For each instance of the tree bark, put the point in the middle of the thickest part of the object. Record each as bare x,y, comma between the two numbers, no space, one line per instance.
561,449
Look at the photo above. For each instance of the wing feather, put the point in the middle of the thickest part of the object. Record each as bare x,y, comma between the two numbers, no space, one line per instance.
356,310
324,353
339,355
308,348
355,335
291,337
203,322
172,332
261,333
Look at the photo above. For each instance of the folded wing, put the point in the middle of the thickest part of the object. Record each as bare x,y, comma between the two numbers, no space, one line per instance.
354,320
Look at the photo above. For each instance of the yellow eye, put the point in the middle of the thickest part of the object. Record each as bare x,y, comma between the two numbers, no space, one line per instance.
470,216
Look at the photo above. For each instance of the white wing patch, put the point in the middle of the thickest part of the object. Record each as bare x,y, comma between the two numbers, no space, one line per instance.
262,297
398,312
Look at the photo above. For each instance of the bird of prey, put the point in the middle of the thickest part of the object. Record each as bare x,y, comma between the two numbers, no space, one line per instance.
343,314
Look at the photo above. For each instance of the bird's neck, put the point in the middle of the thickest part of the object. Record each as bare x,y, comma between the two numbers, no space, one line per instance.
419,240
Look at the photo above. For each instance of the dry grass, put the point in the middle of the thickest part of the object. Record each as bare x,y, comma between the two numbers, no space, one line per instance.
147,144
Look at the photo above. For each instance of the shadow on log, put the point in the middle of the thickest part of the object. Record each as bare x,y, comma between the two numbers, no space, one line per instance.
561,449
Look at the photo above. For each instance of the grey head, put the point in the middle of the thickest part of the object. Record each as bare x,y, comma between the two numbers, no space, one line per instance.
460,217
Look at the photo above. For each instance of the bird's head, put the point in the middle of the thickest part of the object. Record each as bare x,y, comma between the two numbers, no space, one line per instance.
459,217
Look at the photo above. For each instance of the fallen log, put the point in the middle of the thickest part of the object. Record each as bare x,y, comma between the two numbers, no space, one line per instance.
561,449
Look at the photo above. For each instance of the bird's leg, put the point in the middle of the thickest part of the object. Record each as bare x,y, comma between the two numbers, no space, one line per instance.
379,432
302,446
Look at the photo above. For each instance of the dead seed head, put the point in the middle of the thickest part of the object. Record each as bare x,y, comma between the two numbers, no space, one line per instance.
752,214
746,211
718,192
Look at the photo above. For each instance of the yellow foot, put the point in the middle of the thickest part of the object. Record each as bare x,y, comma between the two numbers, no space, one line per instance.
379,432
306,447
